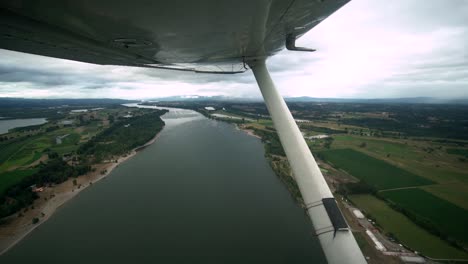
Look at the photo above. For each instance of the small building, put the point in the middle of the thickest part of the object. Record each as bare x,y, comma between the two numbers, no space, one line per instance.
412,259
79,111
58,139
127,125
209,108
36,189
378,245
127,116
66,122
302,120
358,214
67,156
317,137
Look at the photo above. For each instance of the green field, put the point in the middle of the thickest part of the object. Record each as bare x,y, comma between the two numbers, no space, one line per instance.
461,152
18,154
10,178
380,174
422,158
406,231
447,217
380,147
456,193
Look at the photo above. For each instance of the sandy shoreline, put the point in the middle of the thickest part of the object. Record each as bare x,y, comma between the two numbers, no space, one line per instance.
16,227
250,132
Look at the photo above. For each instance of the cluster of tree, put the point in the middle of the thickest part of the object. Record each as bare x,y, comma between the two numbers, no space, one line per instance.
4,138
283,170
20,195
351,188
123,136
325,130
26,128
442,121
271,141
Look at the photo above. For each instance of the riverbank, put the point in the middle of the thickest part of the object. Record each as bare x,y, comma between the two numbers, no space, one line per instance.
279,164
17,226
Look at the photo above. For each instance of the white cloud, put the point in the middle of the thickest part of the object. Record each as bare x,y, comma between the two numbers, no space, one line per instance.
368,49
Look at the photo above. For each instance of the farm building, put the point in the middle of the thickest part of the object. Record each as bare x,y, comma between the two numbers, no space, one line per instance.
374,239
358,214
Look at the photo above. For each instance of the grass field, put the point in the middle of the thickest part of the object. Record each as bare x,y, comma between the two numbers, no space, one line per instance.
422,158
406,231
375,172
19,154
447,217
377,146
456,193
10,178
461,152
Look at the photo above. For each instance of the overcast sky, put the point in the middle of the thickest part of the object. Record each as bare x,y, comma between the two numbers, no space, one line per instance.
367,49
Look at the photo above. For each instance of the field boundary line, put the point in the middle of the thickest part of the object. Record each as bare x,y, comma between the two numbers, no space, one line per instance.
404,188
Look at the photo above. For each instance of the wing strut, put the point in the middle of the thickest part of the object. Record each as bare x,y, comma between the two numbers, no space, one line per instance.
335,237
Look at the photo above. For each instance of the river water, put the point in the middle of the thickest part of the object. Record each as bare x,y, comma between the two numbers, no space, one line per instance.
8,124
202,193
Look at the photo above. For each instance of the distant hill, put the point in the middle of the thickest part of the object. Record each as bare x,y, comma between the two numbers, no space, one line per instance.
198,98
22,102
408,100
9,102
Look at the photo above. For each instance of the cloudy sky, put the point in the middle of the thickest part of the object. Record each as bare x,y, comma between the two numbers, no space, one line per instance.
368,49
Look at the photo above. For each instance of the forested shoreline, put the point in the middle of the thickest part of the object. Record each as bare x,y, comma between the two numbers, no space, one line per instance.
118,139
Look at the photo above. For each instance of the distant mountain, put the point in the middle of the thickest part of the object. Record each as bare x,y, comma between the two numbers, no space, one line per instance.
408,100
198,98
22,102
6,102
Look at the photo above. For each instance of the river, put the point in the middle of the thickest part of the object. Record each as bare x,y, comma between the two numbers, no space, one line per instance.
8,124
202,193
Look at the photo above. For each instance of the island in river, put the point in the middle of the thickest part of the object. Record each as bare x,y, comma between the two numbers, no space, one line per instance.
43,166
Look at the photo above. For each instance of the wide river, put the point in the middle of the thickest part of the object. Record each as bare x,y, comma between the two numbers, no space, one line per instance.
202,193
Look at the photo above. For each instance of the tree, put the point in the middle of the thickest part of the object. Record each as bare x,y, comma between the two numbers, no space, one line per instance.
53,155
328,142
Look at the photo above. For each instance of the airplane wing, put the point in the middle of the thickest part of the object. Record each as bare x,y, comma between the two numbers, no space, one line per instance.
211,36
206,35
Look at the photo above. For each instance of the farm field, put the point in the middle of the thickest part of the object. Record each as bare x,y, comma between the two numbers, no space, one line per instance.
377,173
461,152
423,158
405,230
456,193
447,217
